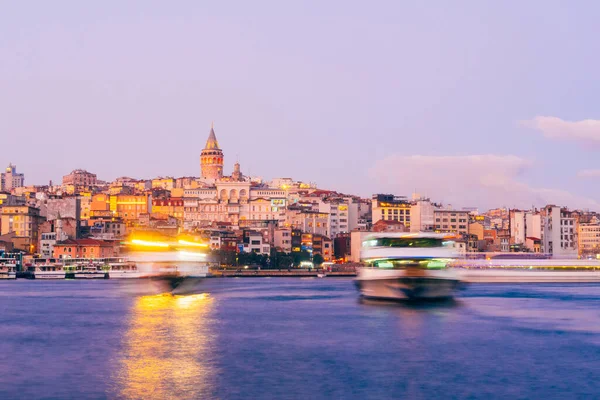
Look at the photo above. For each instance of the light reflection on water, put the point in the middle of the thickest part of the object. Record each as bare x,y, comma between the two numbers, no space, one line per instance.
167,349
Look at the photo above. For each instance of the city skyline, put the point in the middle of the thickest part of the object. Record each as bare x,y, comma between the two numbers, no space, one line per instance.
476,97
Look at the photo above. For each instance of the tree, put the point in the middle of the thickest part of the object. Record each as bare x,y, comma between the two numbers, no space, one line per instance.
318,259
298,257
284,260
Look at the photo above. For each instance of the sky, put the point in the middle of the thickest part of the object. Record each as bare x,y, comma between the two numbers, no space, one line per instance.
473,103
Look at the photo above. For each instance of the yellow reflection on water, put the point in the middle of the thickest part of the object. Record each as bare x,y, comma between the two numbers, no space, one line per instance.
167,349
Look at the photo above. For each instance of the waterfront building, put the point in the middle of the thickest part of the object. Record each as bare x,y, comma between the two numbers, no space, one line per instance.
559,232
356,239
588,237
53,231
79,177
85,248
324,246
341,246
10,179
24,222
211,158
254,242
391,208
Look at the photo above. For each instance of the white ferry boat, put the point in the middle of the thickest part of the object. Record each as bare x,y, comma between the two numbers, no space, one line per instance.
89,272
49,271
8,268
407,266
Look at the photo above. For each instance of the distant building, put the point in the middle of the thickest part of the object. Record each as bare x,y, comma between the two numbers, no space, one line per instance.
127,207
283,239
421,214
356,239
324,246
53,231
68,207
389,226
254,243
559,232
24,222
454,221
7,199
524,224
588,236
10,179
391,208
172,207
80,177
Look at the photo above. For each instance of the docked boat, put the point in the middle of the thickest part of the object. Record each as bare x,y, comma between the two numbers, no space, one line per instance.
49,271
89,272
8,268
413,266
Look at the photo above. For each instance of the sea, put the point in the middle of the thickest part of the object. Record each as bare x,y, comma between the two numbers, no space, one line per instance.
295,338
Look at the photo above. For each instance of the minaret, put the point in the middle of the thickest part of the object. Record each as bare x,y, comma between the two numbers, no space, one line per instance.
211,158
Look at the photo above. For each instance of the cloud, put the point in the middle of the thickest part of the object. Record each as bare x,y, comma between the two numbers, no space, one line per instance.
485,181
587,130
589,173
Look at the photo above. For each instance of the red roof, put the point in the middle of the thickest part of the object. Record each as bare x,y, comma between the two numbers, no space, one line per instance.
85,242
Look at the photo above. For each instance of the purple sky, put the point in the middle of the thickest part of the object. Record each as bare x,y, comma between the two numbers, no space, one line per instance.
490,95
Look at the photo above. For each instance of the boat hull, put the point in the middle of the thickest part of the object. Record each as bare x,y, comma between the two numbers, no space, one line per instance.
49,275
405,284
90,275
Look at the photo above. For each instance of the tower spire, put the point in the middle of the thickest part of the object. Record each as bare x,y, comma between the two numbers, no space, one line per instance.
211,157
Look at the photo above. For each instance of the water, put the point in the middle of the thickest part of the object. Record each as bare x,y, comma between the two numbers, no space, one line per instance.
296,339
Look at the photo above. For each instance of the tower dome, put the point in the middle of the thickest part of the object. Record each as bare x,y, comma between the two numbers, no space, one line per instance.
211,158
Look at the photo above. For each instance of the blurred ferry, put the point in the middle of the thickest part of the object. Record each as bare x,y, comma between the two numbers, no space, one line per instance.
407,266
8,268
